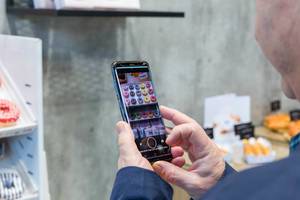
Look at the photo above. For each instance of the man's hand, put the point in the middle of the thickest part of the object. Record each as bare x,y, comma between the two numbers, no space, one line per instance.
207,160
130,155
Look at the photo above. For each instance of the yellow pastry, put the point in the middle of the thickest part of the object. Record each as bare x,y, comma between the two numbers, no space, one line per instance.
277,121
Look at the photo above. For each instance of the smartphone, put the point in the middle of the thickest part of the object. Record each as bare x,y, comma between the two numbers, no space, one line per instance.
139,107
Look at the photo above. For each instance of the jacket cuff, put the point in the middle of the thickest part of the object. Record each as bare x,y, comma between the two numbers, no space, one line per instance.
228,171
139,183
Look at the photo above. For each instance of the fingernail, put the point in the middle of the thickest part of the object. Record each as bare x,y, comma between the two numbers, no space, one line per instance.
120,127
168,140
157,167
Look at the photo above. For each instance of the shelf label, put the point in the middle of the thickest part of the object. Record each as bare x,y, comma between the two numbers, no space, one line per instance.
209,132
295,115
245,131
275,105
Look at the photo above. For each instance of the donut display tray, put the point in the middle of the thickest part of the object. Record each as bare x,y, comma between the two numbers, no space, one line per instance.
30,190
144,113
138,94
16,116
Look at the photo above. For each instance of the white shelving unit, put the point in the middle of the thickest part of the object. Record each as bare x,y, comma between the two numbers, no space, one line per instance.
22,58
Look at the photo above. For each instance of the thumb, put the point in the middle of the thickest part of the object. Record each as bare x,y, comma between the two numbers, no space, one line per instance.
172,173
126,141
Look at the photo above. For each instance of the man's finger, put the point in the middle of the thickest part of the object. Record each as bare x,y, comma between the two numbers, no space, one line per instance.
168,130
179,161
126,141
186,135
174,116
177,151
181,134
173,174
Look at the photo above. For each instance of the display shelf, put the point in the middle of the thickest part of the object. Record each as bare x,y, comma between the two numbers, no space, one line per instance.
27,122
281,149
271,135
141,105
145,119
15,10
27,150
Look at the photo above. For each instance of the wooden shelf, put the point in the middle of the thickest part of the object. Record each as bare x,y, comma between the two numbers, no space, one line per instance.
15,10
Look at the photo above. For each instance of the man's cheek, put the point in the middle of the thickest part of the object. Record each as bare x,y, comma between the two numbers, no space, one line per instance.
287,90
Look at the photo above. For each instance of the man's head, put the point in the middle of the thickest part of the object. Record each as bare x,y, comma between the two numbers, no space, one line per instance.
278,33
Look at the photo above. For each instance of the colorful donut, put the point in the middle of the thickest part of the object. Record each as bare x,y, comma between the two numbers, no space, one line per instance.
148,85
140,100
131,87
142,86
125,88
126,94
9,113
132,93
150,91
133,101
147,99
153,98
138,93
144,92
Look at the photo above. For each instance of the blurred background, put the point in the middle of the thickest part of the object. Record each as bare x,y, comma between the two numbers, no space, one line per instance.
210,51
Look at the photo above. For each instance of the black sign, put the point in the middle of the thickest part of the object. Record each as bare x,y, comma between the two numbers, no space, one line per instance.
245,131
209,132
295,115
275,105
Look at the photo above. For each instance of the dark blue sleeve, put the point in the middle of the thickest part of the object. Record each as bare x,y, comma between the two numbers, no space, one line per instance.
228,171
133,183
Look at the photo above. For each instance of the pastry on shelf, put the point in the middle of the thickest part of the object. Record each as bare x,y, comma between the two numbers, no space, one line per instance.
294,128
281,123
9,113
277,122
258,151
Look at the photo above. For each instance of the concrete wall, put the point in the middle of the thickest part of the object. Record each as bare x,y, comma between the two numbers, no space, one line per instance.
3,24
209,52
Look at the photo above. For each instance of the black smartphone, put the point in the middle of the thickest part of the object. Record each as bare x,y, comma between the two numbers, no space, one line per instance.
139,107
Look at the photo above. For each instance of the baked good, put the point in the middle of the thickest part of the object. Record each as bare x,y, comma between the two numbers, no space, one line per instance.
9,113
294,128
257,147
277,122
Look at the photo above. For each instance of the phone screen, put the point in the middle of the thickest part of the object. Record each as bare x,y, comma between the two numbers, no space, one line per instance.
141,110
